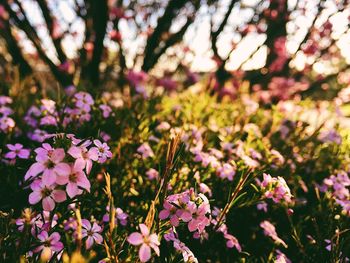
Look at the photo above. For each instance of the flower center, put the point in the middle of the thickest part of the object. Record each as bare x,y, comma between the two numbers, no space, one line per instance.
146,240
45,192
73,177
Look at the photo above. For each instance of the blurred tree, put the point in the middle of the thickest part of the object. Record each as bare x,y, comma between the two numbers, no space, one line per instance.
108,38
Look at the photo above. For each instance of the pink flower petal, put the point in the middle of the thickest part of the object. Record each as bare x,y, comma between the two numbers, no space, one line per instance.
83,182
59,195
34,170
72,189
98,238
89,242
62,169
49,177
34,197
10,155
144,253
57,155
75,152
144,229
62,179
135,239
164,214
48,204
24,154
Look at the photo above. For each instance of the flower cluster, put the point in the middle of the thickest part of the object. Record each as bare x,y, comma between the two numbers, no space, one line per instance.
188,207
57,172
276,189
339,185
6,122
187,254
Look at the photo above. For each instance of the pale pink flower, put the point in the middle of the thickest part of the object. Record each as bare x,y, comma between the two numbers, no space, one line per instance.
84,155
169,211
49,162
5,100
106,110
83,101
270,230
145,150
75,179
146,240
92,232
104,152
47,193
17,150
199,219
49,244
6,124
226,171
232,241
152,174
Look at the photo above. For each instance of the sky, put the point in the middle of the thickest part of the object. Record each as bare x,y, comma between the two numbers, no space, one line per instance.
198,35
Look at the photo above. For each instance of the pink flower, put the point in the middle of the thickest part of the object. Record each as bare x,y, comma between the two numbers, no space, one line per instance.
199,220
163,126
84,155
103,151
17,150
92,233
75,179
84,101
49,244
145,150
146,241
169,211
106,110
47,193
270,230
232,241
6,124
49,162
226,171
120,216
152,174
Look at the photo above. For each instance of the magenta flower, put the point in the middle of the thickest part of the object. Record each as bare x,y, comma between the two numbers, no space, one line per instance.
49,162
92,232
84,155
103,151
49,244
47,193
16,150
75,179
146,240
